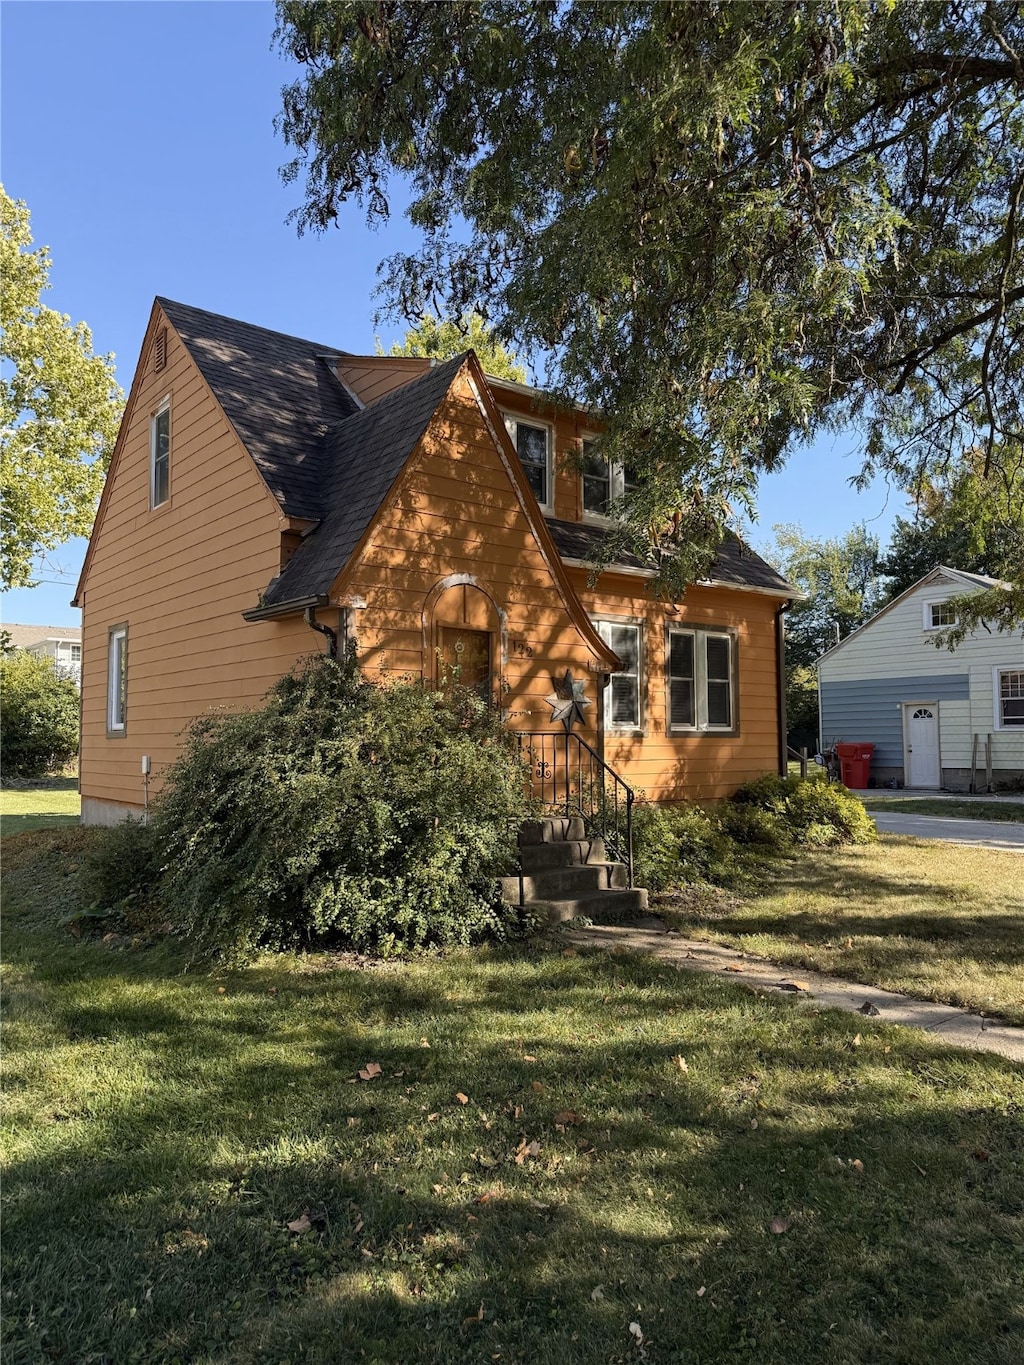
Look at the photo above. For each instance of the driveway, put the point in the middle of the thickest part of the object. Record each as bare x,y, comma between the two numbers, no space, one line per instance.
982,833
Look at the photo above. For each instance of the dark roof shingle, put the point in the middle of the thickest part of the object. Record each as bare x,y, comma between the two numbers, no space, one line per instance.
279,394
735,563
366,454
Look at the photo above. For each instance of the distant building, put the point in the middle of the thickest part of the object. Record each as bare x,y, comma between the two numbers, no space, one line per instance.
62,644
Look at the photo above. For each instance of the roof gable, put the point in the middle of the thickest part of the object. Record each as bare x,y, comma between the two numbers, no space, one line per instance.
279,392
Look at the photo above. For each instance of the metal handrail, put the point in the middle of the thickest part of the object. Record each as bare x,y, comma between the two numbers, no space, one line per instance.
567,774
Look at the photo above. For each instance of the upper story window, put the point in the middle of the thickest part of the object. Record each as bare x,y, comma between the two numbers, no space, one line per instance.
117,680
1009,698
938,615
76,653
160,454
701,680
532,441
602,482
623,695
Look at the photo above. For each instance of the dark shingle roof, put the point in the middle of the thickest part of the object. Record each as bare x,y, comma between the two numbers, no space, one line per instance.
278,393
735,562
366,454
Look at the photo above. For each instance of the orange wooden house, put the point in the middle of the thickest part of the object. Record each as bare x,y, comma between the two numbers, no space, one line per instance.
269,496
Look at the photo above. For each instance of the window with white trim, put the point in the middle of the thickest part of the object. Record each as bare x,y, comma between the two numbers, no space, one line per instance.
532,441
701,680
76,654
938,616
117,679
160,454
623,695
603,481
1009,698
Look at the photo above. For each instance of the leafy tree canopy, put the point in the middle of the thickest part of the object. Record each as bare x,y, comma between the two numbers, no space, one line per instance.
59,409
839,578
38,717
726,225
441,340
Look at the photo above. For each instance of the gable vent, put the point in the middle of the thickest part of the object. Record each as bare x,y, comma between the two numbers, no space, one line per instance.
160,350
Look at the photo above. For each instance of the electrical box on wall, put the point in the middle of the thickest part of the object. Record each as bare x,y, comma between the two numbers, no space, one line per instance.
145,765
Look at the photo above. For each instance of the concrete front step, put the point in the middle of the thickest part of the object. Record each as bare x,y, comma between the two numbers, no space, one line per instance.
562,853
551,830
603,907
557,883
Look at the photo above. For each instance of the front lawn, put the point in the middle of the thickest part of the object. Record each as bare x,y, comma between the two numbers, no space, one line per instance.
558,1146
39,805
938,921
951,809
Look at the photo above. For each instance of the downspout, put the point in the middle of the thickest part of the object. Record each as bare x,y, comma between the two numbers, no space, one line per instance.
309,616
780,655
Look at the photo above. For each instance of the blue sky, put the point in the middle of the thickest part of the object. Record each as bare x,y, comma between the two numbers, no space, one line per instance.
140,135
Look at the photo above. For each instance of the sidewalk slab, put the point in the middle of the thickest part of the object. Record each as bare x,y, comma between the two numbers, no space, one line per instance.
946,1023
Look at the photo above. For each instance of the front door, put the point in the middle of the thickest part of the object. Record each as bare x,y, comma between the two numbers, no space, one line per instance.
921,741
466,658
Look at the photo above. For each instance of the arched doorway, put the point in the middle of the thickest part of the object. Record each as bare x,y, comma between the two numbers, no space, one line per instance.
464,636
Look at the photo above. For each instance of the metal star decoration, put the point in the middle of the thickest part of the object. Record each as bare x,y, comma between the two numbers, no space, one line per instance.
568,701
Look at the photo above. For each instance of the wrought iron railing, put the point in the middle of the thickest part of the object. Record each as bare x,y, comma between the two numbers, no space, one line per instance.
570,778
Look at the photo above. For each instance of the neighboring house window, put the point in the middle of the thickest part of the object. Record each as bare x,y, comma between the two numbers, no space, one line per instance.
622,709
117,679
938,615
1009,698
160,455
602,482
76,654
701,680
533,444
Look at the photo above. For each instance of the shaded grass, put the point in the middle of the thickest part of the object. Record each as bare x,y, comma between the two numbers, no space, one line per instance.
1009,811
39,805
162,1128
937,921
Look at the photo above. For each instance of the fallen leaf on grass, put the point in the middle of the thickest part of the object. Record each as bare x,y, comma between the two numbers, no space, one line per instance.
528,1058
569,952
462,1099
566,1117
597,1293
526,1149
537,1086
222,990
794,986
636,1331
483,1198
370,1072
478,1316
855,1041
702,1291
779,1225
300,1224
433,1118
680,1064
424,1043
733,967
857,1165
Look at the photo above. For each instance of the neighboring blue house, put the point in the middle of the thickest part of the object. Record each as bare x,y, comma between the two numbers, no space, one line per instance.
937,718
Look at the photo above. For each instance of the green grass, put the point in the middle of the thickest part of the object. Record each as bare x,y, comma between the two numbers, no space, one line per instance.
39,805
942,922
951,808
162,1127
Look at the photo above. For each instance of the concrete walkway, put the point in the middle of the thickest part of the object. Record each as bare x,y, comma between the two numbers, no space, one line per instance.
1000,834
945,1023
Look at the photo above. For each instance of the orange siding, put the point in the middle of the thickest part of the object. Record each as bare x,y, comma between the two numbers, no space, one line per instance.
703,767
370,377
456,512
180,576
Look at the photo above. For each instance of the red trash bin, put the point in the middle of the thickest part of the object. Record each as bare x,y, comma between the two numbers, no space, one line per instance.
855,764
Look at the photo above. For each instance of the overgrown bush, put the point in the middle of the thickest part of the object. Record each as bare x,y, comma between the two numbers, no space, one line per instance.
38,715
341,810
121,866
731,844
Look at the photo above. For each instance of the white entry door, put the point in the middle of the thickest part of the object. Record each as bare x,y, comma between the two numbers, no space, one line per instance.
921,741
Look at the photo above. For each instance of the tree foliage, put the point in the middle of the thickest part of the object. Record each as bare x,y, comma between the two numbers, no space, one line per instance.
341,809
59,409
842,590
441,340
38,715
727,225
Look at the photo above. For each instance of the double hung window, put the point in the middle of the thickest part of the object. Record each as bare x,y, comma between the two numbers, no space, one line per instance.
117,680
160,455
938,615
701,680
532,441
602,482
623,695
1009,698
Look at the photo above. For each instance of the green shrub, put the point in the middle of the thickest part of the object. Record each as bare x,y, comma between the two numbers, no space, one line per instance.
755,827
826,813
38,715
678,845
342,810
121,866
